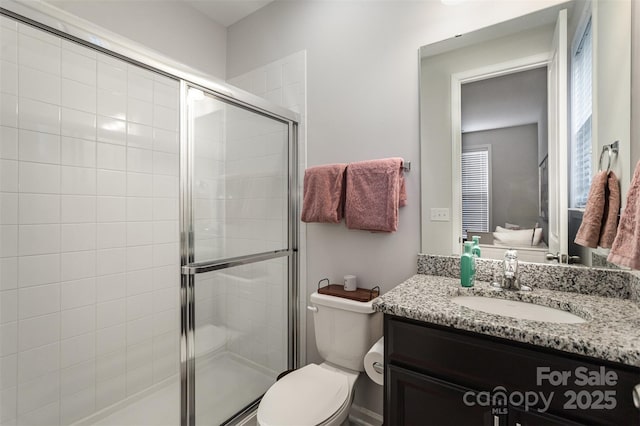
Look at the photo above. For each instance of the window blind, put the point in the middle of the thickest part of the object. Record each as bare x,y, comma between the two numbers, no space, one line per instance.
581,106
475,190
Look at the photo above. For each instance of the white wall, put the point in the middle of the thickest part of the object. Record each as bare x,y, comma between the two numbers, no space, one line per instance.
510,100
635,85
362,103
172,28
611,21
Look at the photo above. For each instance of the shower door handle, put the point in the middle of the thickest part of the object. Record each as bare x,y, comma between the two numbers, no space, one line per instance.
215,265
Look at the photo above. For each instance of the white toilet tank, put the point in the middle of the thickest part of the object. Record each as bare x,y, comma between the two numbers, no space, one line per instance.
345,329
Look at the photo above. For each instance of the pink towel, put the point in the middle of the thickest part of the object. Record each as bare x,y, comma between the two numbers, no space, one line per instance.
626,246
375,190
611,210
589,232
600,219
323,199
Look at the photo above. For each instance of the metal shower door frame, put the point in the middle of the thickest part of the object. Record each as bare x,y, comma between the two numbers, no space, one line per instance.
190,268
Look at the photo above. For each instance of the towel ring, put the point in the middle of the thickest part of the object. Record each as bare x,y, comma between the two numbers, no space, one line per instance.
610,149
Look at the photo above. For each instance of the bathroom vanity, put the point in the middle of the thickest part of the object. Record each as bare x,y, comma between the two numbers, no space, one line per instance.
446,364
436,375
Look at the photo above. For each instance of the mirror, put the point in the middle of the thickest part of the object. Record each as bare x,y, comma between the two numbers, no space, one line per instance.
504,151
499,129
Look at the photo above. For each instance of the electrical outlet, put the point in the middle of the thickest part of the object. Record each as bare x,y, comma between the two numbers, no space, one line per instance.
440,215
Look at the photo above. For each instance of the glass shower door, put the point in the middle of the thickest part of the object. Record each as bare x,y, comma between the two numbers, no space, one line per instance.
238,255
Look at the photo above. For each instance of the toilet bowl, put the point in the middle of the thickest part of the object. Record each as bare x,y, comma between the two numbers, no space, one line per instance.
321,394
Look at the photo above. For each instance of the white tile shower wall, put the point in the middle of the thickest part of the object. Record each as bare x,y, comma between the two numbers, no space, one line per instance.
209,174
240,208
89,263
284,83
257,313
243,310
256,183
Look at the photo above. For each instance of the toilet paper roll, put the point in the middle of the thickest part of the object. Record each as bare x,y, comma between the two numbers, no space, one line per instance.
350,283
374,362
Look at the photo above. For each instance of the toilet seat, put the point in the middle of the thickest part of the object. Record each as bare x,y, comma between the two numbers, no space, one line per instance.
308,396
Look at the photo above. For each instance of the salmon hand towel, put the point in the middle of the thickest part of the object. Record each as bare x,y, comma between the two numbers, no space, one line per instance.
611,210
375,190
589,232
626,246
323,194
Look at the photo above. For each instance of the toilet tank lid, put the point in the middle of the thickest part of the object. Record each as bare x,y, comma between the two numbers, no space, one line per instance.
342,303
307,396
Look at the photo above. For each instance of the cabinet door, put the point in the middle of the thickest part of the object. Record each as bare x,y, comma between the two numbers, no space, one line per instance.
420,400
518,417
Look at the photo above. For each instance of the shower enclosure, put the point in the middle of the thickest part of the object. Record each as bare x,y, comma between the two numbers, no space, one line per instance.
148,231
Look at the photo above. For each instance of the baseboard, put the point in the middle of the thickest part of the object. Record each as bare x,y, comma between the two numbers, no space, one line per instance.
251,419
361,416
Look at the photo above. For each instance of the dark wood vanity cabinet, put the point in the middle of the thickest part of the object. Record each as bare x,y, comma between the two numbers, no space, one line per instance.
415,397
440,376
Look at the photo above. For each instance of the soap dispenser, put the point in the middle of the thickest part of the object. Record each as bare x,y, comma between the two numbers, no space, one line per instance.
467,266
476,246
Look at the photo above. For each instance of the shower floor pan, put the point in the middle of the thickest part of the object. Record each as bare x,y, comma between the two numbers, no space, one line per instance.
225,383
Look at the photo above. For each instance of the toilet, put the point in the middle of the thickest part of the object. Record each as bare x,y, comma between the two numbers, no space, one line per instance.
321,394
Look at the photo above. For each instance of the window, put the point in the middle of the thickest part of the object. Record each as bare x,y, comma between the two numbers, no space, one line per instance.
475,190
581,107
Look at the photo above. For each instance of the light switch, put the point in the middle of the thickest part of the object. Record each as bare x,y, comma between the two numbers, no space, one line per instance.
440,215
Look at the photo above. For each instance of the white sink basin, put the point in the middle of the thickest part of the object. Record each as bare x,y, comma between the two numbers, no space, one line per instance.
516,309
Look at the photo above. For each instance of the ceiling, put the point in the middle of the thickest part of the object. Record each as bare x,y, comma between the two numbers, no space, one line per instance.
509,100
227,12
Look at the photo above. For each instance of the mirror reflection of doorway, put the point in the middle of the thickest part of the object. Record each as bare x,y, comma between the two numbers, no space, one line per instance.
504,142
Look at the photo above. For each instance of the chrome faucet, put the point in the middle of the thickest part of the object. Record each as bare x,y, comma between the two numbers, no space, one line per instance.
510,279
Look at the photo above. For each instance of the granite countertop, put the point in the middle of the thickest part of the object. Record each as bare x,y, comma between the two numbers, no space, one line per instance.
611,332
